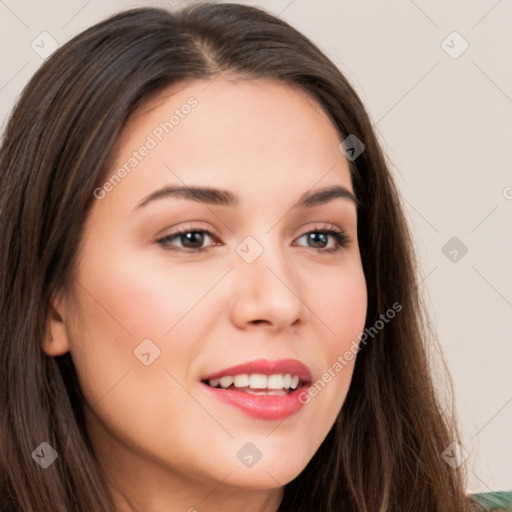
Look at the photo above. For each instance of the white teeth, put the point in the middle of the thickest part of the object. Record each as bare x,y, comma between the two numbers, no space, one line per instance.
258,381
276,382
226,381
241,381
214,382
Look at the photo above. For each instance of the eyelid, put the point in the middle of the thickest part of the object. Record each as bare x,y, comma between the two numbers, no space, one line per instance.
192,225
324,226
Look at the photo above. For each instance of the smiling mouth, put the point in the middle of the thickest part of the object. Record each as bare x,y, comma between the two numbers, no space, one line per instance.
258,384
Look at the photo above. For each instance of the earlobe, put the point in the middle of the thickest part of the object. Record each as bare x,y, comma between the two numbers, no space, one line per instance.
56,339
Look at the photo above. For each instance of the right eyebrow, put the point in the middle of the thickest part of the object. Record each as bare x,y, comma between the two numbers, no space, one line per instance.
206,195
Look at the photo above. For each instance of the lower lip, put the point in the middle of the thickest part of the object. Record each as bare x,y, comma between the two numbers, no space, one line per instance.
263,407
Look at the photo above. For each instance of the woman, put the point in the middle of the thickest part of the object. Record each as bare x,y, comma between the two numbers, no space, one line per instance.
167,342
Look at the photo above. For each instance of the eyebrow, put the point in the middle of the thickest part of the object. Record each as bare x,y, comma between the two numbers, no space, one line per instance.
219,197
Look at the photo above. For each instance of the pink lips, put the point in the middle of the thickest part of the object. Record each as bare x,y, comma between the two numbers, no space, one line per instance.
267,407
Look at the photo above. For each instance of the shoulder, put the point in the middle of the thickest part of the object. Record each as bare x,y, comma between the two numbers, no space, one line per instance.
499,501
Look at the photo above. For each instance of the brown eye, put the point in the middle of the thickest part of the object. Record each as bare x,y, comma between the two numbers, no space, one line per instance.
192,239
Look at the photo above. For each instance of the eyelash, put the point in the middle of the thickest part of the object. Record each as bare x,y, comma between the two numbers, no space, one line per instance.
340,236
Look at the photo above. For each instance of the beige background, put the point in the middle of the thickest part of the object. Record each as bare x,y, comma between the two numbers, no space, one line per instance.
446,125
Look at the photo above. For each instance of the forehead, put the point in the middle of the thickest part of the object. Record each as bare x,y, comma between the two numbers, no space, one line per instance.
257,137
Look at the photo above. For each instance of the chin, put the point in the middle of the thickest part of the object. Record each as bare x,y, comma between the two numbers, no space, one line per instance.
276,471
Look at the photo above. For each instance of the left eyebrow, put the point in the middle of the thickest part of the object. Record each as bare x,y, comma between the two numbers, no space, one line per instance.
325,195
219,197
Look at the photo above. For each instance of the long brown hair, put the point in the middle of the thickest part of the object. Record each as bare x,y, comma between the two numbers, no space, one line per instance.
384,450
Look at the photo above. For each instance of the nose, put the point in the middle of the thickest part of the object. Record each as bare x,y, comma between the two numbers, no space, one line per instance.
265,293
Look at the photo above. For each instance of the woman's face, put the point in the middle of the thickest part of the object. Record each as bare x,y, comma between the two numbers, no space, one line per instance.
152,313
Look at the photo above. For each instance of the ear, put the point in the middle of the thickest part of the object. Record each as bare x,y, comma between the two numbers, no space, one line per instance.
56,340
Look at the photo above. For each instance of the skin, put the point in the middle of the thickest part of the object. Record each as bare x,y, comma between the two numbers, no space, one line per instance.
164,441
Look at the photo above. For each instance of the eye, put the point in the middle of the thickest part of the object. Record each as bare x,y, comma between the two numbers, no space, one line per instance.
193,237
320,236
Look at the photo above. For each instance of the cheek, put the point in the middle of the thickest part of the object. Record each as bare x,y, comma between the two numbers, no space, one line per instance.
142,298
341,307
127,300
341,310
121,305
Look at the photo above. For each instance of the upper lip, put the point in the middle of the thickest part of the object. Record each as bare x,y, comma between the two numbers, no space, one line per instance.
265,367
